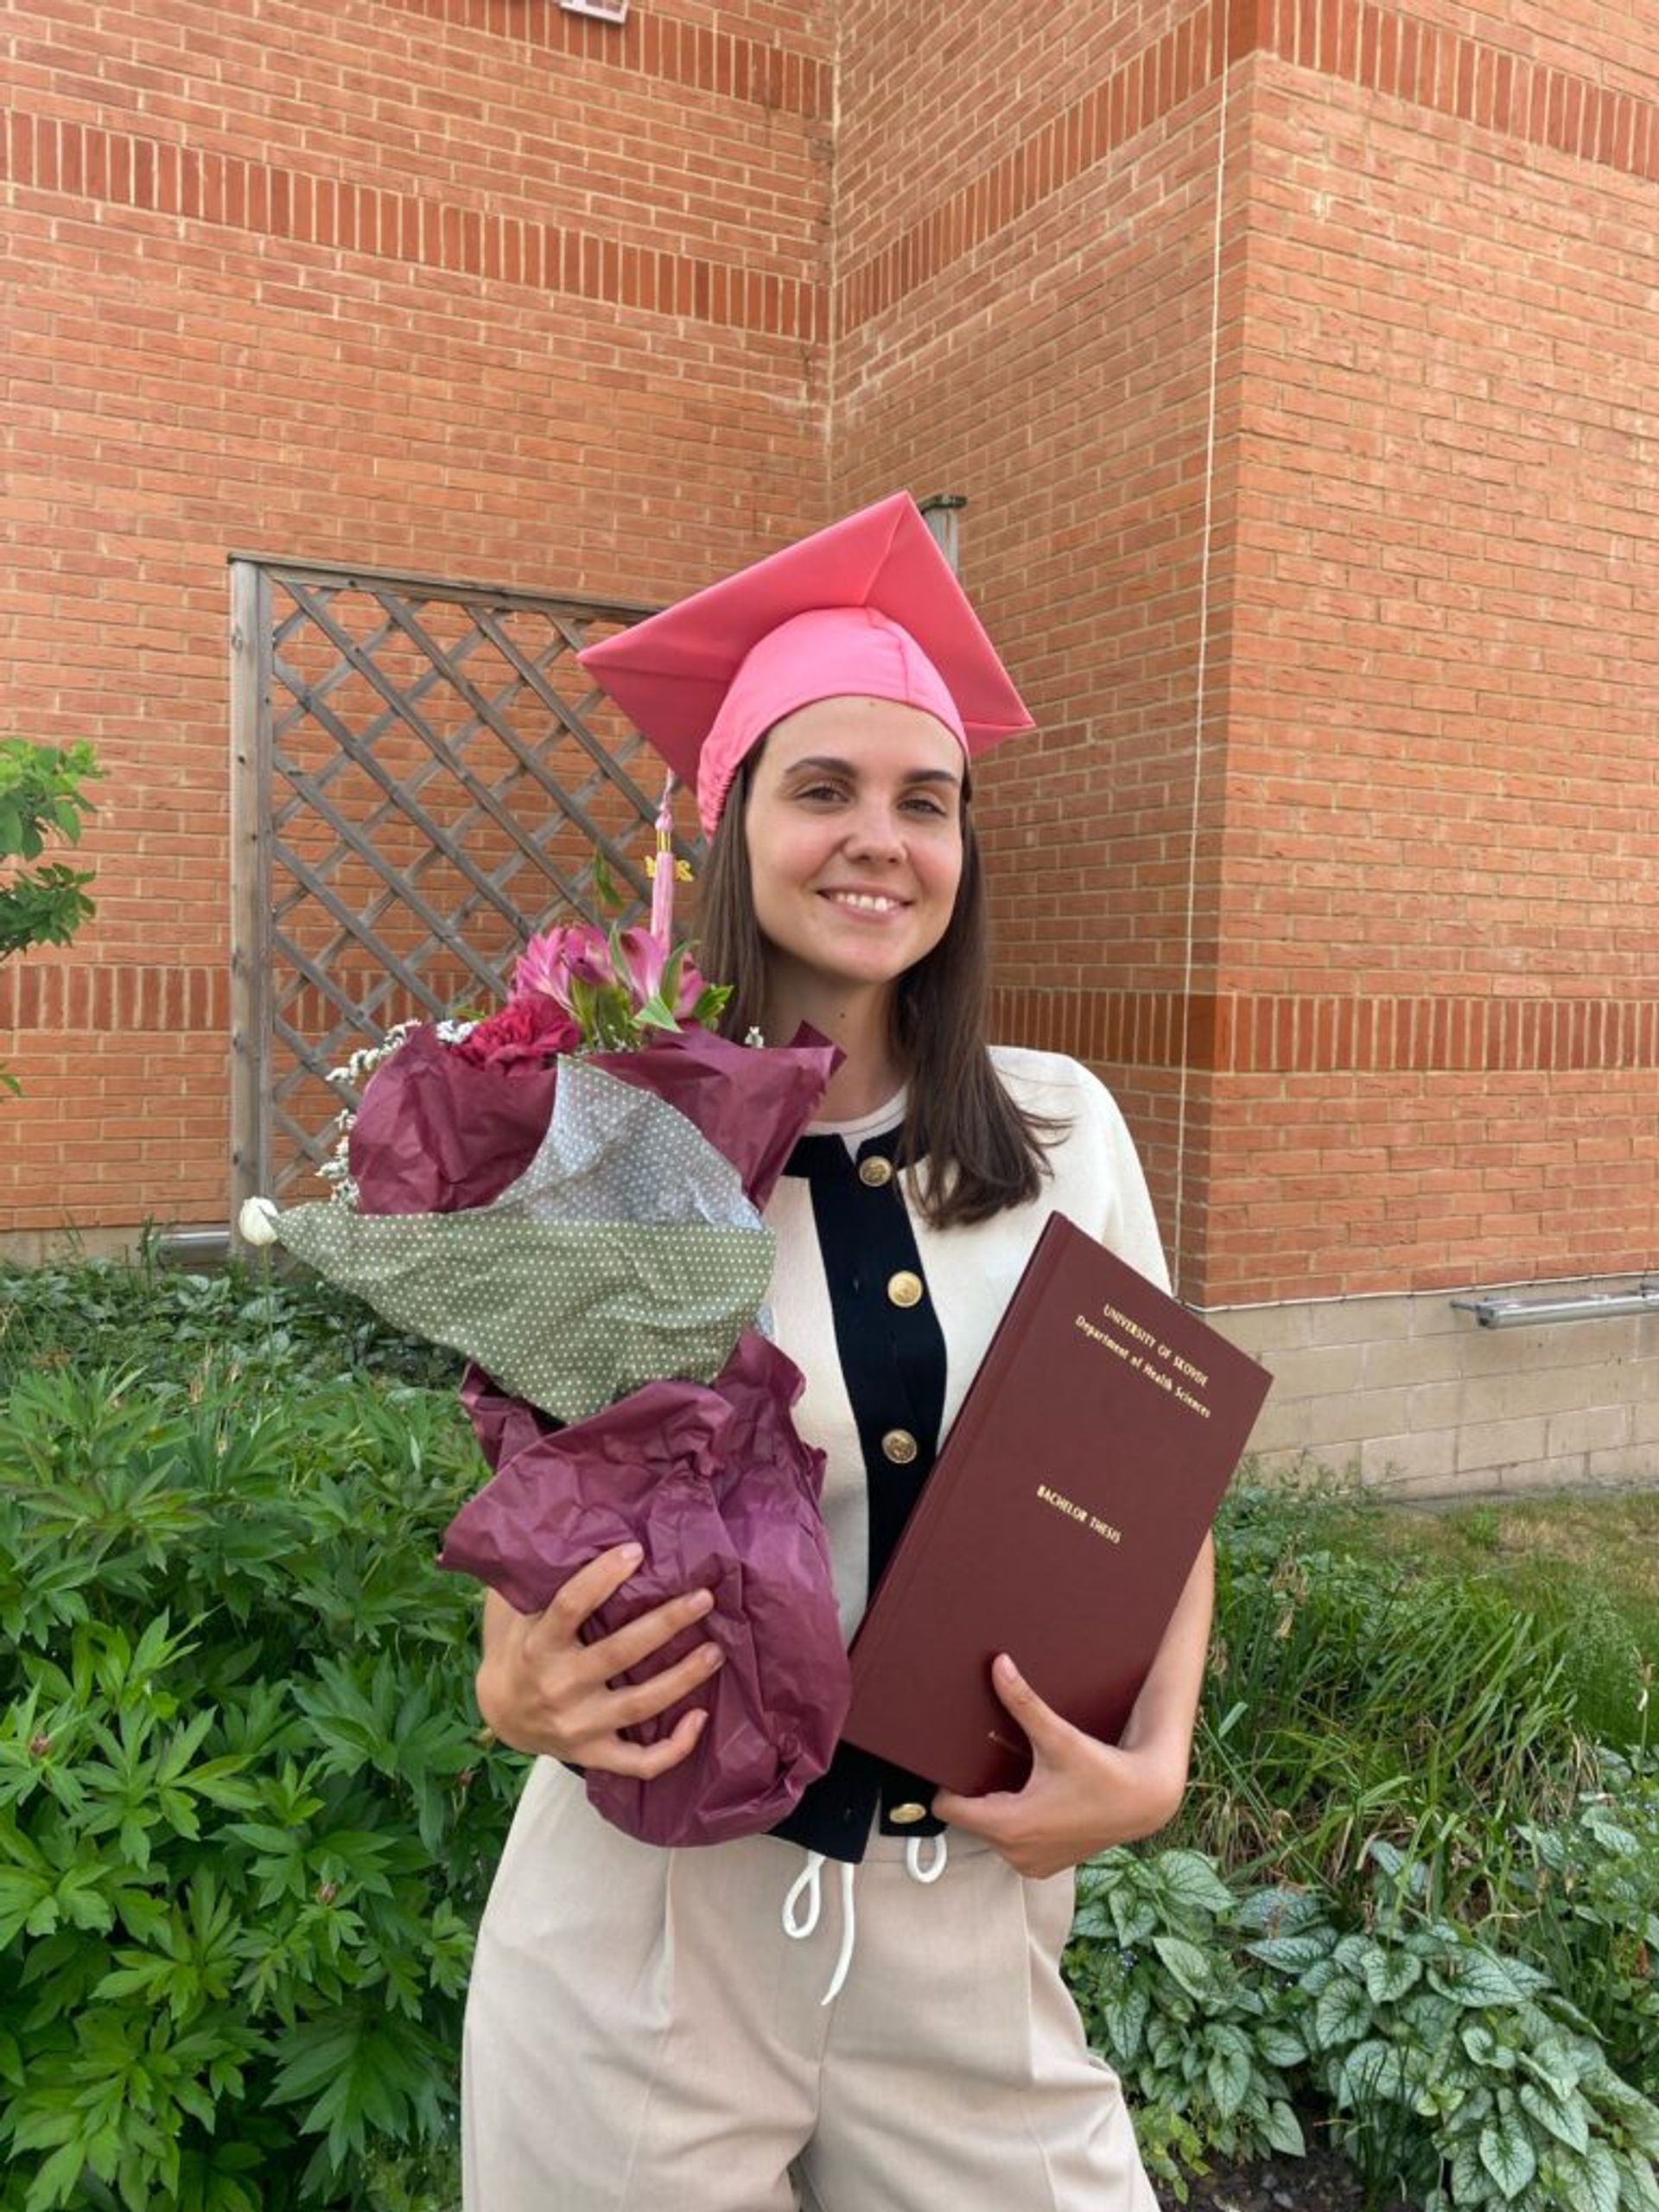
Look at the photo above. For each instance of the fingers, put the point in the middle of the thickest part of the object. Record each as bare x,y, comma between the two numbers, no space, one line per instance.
985,1816
1044,1729
580,1701
645,1761
586,1590
626,1708
625,1647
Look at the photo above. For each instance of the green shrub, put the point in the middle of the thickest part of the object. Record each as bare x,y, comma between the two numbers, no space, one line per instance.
1452,2072
1163,2001
245,1821
1459,2076
244,1327
41,797
1585,1903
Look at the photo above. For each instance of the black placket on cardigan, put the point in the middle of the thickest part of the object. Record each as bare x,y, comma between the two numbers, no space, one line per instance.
892,1363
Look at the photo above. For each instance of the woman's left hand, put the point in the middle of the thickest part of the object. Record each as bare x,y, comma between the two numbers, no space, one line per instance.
1083,1795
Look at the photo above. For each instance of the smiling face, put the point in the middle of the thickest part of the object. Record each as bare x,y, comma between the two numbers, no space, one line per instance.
853,829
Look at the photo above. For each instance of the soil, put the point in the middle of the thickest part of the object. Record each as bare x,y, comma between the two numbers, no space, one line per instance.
1321,2182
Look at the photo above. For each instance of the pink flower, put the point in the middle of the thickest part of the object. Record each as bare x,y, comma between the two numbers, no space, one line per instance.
618,988
647,959
551,963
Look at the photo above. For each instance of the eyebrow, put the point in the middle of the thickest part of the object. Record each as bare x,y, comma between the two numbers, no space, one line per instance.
821,764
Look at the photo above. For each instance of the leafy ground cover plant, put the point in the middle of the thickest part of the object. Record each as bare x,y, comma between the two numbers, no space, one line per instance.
1584,1901
1452,2072
1163,1998
245,1327
1459,2076
245,1821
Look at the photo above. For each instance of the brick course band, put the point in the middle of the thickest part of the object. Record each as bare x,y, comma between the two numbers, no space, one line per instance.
119,168
1382,50
1222,1033
114,996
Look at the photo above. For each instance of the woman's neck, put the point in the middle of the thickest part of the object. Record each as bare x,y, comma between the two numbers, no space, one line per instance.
860,1022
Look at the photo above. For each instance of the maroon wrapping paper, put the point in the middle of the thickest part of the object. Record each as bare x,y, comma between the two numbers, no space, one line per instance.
712,1481
434,1133
719,1489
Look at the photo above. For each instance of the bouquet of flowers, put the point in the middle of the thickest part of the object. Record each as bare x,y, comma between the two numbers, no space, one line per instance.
569,1192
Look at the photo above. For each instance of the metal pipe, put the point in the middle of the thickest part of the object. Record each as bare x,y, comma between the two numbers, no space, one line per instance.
190,1247
1494,1312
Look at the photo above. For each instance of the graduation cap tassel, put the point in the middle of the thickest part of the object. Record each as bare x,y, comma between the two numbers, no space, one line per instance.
662,880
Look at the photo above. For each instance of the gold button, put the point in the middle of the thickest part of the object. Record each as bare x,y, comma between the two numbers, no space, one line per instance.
898,1446
905,1289
905,1815
875,1171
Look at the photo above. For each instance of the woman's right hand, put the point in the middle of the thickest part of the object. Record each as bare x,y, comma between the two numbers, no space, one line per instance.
541,1689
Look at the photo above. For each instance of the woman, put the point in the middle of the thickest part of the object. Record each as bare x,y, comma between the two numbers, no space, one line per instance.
640,2034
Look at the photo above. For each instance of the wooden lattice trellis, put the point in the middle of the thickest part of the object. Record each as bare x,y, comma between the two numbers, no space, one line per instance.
422,776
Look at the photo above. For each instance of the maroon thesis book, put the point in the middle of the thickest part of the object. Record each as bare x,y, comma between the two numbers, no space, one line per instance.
1060,1521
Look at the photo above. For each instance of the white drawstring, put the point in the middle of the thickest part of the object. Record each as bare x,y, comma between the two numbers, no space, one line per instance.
810,1880
913,1857
801,1918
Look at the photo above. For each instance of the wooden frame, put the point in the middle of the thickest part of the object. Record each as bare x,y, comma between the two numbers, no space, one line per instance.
421,777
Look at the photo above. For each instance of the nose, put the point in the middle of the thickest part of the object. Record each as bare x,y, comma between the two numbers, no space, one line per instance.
875,830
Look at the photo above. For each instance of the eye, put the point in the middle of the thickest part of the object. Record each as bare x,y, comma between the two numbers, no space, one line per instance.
927,803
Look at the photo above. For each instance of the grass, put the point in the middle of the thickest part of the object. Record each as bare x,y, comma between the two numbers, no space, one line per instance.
1437,1680
1584,1566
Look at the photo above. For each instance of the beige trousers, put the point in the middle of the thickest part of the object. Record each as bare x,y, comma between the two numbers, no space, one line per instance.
643,2037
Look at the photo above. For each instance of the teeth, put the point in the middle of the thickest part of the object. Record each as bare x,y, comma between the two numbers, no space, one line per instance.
865,901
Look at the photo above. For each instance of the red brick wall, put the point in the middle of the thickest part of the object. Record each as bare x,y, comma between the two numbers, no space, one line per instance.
1438,1030
1032,318
1291,358
459,287
1370,969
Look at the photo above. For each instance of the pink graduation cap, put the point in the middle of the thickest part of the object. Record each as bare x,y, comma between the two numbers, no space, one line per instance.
867,608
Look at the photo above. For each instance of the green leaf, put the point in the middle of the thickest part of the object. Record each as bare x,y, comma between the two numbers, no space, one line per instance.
1567,2119
1470,2182
1640,2184
1507,2155
1486,2049
1189,1880
1592,2181
1280,2045
1390,1973
1186,1963
1280,1910
1377,2073
1289,1953
371,2072
1343,2013
1124,2020
1228,2074
1132,1917
1283,2130
1476,1976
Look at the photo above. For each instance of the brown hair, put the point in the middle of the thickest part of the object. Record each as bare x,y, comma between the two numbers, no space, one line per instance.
983,1152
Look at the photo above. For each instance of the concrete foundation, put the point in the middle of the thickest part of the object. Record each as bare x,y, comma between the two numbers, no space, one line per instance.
1417,1398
